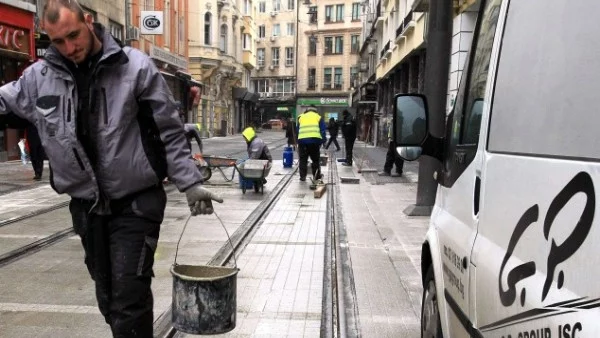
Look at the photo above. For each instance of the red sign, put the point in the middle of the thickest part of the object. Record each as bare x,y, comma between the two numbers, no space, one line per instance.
14,39
16,30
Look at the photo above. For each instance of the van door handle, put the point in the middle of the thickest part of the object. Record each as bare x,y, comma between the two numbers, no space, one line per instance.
476,195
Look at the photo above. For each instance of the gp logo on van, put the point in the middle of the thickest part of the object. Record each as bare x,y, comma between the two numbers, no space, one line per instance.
559,252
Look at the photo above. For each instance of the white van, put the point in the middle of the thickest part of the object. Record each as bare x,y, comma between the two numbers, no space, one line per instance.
513,249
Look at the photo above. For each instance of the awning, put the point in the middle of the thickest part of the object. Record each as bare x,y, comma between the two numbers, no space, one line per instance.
239,93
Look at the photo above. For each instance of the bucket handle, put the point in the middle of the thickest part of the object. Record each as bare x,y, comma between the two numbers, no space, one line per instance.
222,224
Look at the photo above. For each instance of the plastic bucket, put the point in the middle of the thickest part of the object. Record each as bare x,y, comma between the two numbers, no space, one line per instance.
288,157
244,183
204,298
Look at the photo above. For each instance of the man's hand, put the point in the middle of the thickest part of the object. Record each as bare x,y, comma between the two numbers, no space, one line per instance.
200,200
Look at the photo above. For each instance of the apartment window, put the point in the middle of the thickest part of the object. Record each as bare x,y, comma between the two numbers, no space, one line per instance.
312,78
275,56
261,86
353,75
312,45
354,45
247,7
223,40
289,56
356,11
327,78
339,45
276,5
246,42
284,87
276,30
328,45
291,29
328,13
291,4
116,30
207,18
338,80
313,12
262,31
262,7
260,54
339,13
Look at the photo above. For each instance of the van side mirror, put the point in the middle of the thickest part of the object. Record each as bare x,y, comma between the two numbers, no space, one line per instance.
410,125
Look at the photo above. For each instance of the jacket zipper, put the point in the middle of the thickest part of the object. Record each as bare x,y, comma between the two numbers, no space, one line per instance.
105,106
78,158
69,111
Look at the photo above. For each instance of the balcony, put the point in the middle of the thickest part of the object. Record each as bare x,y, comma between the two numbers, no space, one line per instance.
405,26
385,50
248,59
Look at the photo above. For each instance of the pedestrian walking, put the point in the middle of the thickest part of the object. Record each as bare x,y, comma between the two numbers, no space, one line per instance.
36,151
192,131
311,135
290,133
110,129
349,133
333,129
391,158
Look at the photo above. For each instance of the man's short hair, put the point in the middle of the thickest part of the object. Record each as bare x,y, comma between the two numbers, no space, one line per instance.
51,12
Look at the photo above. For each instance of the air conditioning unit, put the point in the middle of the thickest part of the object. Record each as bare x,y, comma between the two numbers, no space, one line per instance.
271,67
273,38
132,33
273,13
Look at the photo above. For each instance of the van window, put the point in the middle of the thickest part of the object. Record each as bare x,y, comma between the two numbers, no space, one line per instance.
463,132
547,94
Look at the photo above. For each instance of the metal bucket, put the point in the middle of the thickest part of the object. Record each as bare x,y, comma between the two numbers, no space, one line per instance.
204,298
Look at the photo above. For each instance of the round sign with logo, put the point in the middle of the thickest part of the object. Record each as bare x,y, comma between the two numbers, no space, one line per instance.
152,22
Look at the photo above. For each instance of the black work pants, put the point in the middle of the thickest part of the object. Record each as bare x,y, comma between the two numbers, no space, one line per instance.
36,154
392,158
349,144
333,138
119,254
313,151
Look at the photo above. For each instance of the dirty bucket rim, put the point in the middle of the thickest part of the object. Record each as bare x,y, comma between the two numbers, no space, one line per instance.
233,272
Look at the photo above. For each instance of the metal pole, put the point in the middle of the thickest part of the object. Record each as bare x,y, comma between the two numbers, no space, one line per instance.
437,66
297,32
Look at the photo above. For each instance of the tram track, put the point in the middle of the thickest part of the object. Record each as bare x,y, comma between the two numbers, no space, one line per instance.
163,327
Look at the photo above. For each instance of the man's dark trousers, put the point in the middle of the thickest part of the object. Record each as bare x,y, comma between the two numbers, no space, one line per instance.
392,158
349,143
119,254
311,150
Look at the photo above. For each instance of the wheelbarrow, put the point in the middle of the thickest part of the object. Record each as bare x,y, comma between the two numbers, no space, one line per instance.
206,163
254,171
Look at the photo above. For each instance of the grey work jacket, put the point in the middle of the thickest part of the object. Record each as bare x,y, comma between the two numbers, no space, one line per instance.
139,139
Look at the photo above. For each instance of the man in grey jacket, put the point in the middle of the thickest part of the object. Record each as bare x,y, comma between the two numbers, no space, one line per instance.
110,129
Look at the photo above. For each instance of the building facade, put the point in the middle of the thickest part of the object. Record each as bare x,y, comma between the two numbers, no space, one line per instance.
329,46
221,57
274,78
393,55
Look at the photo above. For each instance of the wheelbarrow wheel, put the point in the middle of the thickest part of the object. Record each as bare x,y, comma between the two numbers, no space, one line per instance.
243,189
257,187
205,172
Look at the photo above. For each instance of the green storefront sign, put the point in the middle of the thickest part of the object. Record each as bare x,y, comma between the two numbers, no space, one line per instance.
324,101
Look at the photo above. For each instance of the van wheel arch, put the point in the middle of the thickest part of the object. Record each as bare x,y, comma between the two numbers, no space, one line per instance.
426,261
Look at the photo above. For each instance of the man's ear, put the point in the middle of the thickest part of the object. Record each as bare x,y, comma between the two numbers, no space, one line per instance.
88,19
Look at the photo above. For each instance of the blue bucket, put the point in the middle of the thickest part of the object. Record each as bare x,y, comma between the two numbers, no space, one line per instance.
244,183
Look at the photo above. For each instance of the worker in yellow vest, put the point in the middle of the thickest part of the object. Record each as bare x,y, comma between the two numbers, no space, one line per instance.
192,131
311,135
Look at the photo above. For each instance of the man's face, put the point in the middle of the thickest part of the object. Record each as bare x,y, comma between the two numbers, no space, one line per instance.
72,37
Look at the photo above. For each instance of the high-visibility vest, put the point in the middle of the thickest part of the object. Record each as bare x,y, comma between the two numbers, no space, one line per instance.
199,126
309,125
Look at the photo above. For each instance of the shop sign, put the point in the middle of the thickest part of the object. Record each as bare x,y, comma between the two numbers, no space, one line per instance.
324,101
282,109
151,22
166,57
15,39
